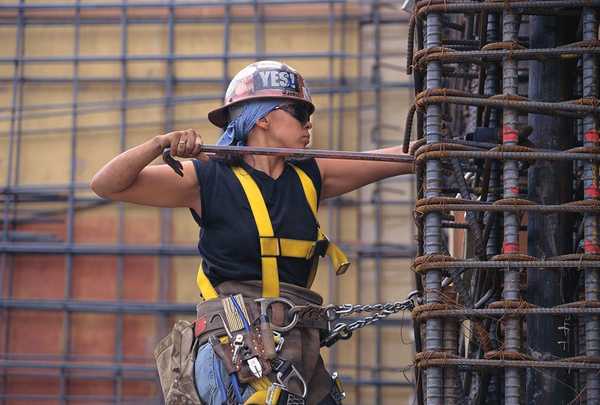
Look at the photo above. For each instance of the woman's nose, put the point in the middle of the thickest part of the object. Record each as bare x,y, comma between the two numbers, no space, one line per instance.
308,125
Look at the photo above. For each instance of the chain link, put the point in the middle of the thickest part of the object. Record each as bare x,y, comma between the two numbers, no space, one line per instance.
344,331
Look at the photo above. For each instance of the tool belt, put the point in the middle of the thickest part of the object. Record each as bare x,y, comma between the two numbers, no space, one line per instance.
296,307
280,359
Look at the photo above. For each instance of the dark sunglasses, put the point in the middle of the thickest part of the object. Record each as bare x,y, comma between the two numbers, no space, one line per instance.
297,110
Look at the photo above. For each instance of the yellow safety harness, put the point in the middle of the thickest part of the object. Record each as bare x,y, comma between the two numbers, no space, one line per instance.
272,247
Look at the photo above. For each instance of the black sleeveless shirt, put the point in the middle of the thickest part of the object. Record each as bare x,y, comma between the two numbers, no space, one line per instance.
229,243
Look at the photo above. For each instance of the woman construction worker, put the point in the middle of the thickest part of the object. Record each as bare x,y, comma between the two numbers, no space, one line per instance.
256,339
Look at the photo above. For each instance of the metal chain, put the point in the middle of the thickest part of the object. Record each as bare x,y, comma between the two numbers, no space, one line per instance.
344,331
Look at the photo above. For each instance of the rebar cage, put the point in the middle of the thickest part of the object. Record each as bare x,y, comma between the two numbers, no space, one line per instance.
88,287
507,204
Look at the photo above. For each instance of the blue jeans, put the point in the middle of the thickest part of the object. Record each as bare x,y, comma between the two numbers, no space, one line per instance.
212,380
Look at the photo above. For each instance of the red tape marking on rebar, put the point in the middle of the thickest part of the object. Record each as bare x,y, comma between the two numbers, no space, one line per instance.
592,192
509,134
592,136
590,247
510,248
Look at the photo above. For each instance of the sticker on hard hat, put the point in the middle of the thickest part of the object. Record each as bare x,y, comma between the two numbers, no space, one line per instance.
277,79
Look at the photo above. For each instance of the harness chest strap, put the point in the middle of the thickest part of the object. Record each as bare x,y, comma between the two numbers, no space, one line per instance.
272,246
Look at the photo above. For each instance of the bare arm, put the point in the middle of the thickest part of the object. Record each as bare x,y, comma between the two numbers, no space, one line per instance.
341,176
128,177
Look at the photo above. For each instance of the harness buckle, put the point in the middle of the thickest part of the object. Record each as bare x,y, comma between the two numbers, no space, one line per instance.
337,389
279,395
319,248
286,372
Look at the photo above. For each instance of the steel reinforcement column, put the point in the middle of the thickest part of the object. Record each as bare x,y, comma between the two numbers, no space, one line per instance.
510,83
591,191
433,222
549,234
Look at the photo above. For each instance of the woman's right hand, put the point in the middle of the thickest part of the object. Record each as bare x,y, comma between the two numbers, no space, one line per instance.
185,144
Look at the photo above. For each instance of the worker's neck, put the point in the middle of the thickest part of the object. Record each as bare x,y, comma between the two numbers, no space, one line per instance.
271,165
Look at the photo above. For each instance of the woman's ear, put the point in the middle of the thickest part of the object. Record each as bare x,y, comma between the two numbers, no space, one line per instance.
263,123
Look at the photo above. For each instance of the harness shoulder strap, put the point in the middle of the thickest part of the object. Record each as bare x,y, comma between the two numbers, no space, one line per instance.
207,290
338,257
270,276
309,189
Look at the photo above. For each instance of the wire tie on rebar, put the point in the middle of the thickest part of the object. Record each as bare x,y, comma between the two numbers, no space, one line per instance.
587,101
589,43
576,256
584,149
506,355
513,257
580,304
430,355
420,261
582,359
508,97
513,201
511,304
418,311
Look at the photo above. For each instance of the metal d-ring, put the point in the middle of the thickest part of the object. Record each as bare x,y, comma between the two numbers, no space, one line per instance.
265,303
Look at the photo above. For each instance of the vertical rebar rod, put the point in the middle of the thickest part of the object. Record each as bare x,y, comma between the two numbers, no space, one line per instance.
359,211
450,345
6,261
433,230
512,335
490,86
376,136
259,31
67,324
591,191
332,209
449,325
341,118
15,119
494,240
335,287
578,169
120,276
226,44
166,214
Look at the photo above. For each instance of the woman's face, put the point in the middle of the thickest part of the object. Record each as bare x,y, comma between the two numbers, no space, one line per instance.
290,125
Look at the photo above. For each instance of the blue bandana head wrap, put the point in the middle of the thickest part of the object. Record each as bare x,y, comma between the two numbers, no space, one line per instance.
239,128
